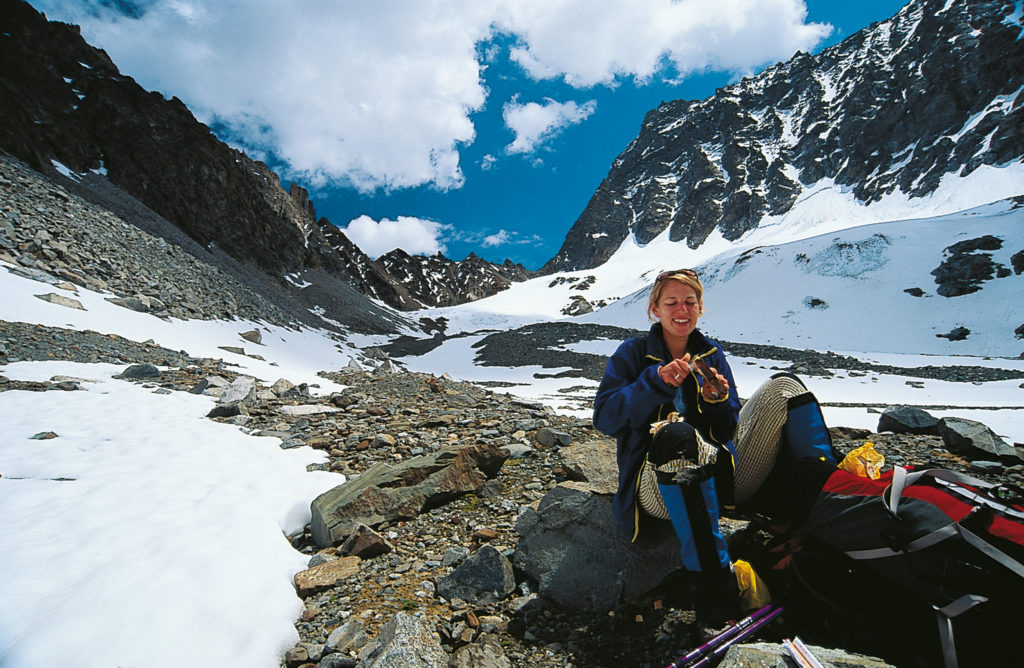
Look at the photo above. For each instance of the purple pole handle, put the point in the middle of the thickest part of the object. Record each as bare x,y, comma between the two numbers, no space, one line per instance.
725,635
716,654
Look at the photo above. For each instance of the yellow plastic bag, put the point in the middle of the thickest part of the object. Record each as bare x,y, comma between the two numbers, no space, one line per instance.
863,461
754,592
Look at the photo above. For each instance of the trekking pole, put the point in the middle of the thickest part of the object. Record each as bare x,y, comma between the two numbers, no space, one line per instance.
715,655
722,637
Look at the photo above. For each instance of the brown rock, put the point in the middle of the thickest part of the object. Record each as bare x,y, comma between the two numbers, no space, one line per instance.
326,575
593,462
365,543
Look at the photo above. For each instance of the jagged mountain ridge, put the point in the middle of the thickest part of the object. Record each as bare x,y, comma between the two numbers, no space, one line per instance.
64,101
929,92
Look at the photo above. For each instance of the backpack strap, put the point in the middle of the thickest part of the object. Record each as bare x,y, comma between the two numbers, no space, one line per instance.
944,616
951,480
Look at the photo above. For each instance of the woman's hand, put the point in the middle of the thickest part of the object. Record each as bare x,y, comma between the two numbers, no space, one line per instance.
675,371
715,386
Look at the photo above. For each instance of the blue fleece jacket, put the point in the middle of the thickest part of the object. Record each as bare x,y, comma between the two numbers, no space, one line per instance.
632,395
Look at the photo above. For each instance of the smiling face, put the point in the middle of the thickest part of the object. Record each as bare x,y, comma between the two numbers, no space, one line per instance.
678,308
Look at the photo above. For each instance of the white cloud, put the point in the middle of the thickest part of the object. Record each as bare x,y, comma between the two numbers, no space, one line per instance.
415,236
590,42
507,238
498,239
487,162
535,123
380,94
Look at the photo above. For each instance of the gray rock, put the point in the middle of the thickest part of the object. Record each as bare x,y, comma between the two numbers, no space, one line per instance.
313,650
139,303
974,440
386,367
348,638
292,442
406,641
908,420
253,336
34,274
140,371
337,661
486,652
319,559
485,577
518,450
61,300
549,437
454,555
242,391
770,655
385,493
560,539
208,383
229,410
281,386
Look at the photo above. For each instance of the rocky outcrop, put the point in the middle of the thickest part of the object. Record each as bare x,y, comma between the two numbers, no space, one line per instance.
385,493
438,281
896,106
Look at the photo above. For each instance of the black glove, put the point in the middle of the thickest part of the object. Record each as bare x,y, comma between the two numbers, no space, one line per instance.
675,440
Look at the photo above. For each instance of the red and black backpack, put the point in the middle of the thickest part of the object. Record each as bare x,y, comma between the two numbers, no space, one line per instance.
933,556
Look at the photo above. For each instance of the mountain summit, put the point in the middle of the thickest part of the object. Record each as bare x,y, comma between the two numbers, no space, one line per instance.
930,93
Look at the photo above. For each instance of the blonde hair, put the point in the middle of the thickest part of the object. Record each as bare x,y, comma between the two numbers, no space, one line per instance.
685,279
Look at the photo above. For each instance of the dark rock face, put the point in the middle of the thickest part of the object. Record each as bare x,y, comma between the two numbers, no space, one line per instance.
966,266
65,101
438,281
876,113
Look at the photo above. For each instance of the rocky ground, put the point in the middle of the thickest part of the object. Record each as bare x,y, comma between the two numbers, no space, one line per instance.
394,417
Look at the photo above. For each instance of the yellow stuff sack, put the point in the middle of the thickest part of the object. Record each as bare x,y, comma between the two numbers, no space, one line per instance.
863,461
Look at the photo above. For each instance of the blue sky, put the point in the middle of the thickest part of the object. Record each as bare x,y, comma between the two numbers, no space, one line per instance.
458,125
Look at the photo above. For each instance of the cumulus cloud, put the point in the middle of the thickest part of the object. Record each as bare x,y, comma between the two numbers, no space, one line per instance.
415,236
534,123
589,42
381,94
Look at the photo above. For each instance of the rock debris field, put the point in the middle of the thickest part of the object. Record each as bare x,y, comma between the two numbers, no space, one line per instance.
425,562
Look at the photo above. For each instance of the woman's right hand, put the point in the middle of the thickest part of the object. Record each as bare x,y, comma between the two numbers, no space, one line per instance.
675,371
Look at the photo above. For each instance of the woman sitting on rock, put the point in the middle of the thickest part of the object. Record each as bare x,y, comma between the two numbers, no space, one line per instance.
686,447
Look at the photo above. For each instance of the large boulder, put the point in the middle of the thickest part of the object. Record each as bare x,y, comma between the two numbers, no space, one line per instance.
573,547
385,493
974,440
908,420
